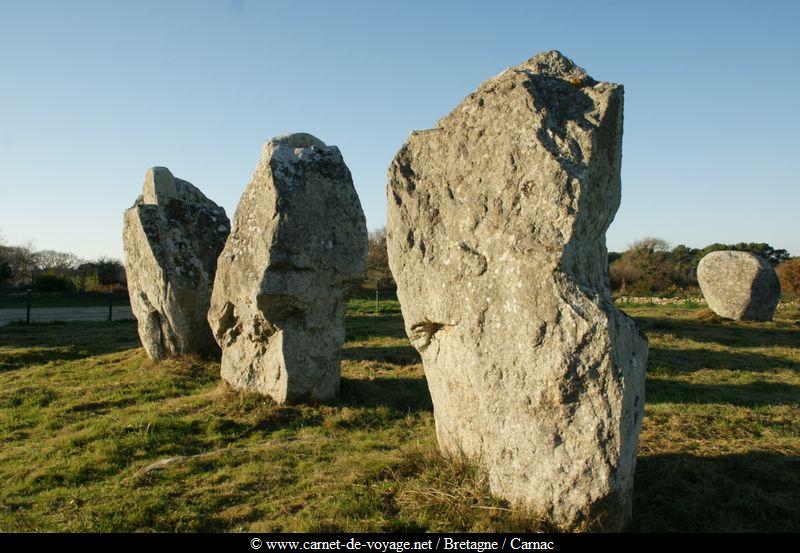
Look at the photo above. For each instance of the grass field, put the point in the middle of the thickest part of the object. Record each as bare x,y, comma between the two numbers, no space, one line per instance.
95,437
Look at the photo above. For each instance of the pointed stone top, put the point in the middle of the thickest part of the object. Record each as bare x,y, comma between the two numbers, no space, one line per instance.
297,140
283,152
555,64
159,186
547,69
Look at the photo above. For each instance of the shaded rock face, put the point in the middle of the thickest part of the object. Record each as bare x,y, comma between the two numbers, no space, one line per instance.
739,285
298,246
496,237
172,236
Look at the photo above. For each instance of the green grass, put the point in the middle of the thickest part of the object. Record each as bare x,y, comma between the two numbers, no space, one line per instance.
686,304
83,413
368,306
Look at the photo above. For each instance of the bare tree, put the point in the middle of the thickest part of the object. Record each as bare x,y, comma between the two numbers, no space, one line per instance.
51,260
21,261
651,244
378,272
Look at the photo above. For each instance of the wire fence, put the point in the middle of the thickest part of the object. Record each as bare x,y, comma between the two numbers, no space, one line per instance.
29,307
376,301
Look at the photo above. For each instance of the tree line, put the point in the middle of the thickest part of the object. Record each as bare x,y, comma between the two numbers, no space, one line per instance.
23,267
648,267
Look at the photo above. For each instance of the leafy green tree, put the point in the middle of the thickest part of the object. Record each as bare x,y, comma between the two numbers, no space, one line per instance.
650,267
773,255
109,271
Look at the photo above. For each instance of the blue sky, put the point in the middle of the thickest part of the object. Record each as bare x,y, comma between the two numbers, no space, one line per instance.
94,93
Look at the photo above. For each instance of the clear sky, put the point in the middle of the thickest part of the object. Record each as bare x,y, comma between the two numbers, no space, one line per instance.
94,93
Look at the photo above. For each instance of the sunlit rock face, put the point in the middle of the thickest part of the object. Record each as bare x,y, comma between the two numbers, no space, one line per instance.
172,236
298,246
739,285
496,235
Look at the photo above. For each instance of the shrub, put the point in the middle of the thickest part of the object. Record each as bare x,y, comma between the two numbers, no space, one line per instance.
643,271
649,267
5,272
49,282
789,275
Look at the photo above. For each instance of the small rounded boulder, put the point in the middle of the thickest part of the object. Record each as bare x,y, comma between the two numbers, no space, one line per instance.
739,285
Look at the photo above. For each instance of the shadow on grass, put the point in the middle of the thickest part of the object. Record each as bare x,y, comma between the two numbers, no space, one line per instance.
757,394
41,343
755,492
719,331
275,418
100,337
14,359
405,394
677,361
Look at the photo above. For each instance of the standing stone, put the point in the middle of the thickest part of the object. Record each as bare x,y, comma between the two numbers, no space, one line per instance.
739,285
298,246
173,235
496,238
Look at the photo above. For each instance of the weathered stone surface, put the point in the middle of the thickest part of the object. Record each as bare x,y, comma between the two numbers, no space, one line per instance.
739,285
496,237
173,235
298,246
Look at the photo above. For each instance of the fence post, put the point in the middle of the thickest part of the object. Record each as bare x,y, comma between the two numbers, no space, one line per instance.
110,305
28,306
376,297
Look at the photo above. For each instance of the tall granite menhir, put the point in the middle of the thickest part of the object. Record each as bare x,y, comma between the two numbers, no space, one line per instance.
496,237
298,246
173,235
